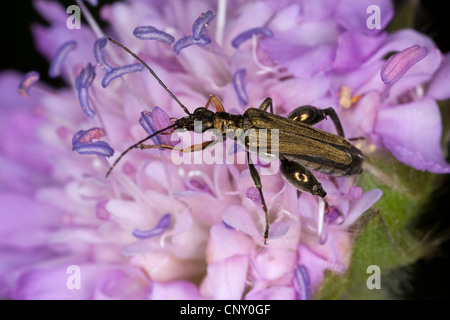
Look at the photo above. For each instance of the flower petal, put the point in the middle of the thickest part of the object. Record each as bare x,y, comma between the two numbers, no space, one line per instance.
279,229
174,290
440,84
239,219
354,48
156,120
357,16
51,283
228,277
412,132
271,293
359,206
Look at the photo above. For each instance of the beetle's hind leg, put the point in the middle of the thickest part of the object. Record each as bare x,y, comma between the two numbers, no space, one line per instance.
257,181
302,179
311,115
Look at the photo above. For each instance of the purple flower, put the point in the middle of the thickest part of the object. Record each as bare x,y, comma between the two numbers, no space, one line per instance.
159,230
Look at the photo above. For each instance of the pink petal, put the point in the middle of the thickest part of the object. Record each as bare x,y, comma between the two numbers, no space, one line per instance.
271,264
353,16
440,84
239,219
51,283
228,277
412,132
359,206
175,290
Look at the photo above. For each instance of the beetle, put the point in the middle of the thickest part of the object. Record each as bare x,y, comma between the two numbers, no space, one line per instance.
300,147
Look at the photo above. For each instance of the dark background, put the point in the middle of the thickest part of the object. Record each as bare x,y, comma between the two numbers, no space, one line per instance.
429,277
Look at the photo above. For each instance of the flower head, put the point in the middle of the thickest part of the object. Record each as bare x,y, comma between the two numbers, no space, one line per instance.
159,230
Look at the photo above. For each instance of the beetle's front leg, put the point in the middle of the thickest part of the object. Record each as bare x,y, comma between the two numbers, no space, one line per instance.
257,181
311,115
302,179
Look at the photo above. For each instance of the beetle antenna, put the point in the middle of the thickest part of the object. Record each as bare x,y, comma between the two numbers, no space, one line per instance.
136,145
151,71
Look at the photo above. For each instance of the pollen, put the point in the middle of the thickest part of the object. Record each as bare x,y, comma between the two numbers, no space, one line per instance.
346,100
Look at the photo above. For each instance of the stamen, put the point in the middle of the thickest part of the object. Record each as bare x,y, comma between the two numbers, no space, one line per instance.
28,80
334,216
201,23
239,86
246,35
86,136
162,225
189,41
82,83
98,53
83,98
151,33
87,75
100,148
302,282
397,65
120,71
58,60
82,143
154,121
146,122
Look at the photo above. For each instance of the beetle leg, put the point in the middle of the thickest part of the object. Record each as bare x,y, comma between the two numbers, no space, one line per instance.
267,103
216,102
302,179
193,148
257,181
311,115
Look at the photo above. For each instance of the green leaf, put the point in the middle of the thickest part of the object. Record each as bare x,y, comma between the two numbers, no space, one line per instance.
383,236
